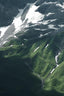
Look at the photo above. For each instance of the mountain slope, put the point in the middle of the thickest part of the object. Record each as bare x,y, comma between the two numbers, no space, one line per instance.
32,60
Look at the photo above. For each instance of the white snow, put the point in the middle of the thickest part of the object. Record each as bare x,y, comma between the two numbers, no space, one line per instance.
17,22
11,45
45,22
41,35
49,14
15,36
40,29
36,49
61,25
3,30
60,5
51,26
56,58
57,65
52,20
47,33
46,45
33,16
49,3
52,70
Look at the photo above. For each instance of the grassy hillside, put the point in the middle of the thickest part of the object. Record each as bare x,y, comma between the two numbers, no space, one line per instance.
56,80
26,63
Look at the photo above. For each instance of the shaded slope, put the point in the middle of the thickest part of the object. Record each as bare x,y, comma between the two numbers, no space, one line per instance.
38,55
16,78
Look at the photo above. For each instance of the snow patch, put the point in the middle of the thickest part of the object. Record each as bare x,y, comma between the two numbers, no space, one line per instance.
56,58
52,20
36,49
11,45
49,14
41,35
45,22
33,16
47,33
17,22
15,36
61,25
40,29
3,30
60,5
47,3
57,65
52,70
51,26
47,45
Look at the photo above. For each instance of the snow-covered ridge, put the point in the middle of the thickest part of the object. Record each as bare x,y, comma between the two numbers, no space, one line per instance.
32,16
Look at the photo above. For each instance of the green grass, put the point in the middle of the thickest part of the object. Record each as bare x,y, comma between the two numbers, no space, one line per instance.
56,80
21,66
